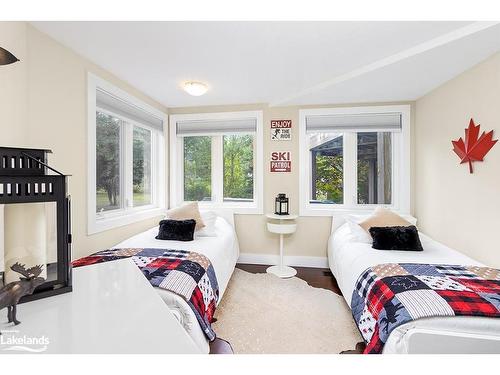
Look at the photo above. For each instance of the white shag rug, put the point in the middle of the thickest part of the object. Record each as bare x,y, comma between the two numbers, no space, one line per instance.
261,313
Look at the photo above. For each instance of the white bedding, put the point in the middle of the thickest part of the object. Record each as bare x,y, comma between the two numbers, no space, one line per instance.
348,259
223,252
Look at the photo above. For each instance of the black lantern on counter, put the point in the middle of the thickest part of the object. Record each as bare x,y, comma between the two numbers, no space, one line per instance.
25,178
281,205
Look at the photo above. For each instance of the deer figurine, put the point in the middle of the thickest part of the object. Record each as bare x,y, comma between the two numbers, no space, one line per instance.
11,293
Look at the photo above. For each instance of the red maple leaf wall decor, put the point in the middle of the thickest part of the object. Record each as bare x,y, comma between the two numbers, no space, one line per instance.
475,147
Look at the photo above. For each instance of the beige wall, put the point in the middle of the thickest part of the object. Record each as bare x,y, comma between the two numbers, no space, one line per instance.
57,102
312,234
453,206
48,109
13,85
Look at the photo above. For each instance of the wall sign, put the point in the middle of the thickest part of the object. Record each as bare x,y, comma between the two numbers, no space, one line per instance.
281,130
281,161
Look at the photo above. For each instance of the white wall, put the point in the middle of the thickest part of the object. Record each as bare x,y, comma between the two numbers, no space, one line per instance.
453,206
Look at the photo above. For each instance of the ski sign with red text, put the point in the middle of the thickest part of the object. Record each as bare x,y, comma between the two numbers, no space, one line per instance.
281,130
281,161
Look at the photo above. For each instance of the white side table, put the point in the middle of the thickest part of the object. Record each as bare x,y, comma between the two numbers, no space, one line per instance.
285,225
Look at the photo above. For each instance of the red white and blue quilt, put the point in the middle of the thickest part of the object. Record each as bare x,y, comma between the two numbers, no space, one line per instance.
389,295
185,273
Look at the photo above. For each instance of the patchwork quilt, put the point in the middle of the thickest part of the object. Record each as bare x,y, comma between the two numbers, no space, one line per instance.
185,273
389,295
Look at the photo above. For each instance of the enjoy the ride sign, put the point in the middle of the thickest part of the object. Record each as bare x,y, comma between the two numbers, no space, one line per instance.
281,130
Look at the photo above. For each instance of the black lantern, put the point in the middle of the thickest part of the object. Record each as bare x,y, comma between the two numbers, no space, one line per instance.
281,205
25,178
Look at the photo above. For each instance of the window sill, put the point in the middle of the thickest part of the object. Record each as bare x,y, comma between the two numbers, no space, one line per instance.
236,208
343,210
97,225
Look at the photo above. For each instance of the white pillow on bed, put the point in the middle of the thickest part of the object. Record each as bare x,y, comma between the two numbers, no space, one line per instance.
359,234
209,218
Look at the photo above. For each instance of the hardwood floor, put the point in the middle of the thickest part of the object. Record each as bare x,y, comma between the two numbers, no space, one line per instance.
315,277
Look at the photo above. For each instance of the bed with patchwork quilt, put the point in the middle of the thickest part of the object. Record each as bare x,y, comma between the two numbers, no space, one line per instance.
221,250
389,295
185,273
446,309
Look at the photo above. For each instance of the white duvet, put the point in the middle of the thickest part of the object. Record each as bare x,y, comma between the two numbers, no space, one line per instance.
223,252
348,259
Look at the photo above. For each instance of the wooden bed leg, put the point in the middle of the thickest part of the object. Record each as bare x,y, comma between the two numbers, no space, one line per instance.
221,346
360,348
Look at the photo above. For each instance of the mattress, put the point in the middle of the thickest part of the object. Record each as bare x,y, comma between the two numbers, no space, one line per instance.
223,252
348,259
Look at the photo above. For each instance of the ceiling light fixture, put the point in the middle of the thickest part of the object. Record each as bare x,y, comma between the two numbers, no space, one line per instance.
195,88
6,57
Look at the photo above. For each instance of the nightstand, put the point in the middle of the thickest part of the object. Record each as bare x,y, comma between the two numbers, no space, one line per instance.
282,224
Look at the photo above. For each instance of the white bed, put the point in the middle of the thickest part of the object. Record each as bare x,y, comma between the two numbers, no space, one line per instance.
348,259
223,252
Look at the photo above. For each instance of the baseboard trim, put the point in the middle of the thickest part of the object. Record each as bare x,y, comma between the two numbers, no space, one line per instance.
290,260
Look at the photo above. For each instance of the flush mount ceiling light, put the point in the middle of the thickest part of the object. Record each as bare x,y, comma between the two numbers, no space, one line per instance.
195,88
6,57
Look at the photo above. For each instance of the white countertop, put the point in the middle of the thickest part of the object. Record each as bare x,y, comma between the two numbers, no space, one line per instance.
112,309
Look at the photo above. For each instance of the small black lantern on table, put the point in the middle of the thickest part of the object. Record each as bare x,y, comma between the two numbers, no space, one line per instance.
281,205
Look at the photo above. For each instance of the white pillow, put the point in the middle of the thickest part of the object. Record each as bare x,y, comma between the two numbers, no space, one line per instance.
209,218
359,234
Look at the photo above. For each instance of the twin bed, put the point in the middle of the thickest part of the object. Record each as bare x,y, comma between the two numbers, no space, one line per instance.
349,258
223,252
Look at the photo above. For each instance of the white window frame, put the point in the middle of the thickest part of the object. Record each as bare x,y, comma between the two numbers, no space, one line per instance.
177,163
400,164
99,222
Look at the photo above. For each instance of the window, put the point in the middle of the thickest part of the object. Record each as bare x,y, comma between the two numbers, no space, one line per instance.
238,168
216,159
352,158
327,167
198,168
141,166
108,156
374,157
125,158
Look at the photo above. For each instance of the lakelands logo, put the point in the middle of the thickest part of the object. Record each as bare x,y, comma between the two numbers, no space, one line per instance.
12,341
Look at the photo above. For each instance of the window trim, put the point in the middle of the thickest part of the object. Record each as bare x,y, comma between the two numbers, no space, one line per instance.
97,223
177,163
400,159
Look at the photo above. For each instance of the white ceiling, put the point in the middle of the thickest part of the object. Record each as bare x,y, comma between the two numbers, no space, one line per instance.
281,63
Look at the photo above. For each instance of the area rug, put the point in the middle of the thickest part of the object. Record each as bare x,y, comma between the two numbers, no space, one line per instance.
261,313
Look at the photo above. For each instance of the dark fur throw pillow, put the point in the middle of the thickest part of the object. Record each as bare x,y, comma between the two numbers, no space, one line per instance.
396,238
176,230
